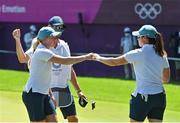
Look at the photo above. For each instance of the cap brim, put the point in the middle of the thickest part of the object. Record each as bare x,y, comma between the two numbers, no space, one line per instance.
135,33
57,24
56,34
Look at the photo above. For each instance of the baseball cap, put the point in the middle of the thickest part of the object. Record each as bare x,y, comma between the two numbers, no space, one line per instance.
146,30
47,32
56,20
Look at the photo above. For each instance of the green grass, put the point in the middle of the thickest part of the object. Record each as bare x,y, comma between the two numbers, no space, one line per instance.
111,95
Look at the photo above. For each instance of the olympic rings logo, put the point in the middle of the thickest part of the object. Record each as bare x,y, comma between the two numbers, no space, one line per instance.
148,10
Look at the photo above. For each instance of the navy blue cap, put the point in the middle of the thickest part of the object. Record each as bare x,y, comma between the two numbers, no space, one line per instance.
56,20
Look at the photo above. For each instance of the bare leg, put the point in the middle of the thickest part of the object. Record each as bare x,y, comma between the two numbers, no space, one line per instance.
155,120
72,119
51,118
134,121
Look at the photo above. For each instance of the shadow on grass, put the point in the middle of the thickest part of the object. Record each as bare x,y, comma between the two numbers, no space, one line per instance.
174,82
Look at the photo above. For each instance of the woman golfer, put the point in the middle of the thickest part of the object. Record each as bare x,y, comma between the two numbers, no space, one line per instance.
151,69
61,73
36,93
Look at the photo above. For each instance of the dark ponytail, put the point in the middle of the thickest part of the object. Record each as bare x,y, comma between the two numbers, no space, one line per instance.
158,44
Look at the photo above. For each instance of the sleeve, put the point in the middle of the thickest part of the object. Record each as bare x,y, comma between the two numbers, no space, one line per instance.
165,62
44,55
133,56
29,52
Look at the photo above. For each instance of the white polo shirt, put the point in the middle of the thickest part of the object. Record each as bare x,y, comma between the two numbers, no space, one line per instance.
40,71
61,74
148,66
29,52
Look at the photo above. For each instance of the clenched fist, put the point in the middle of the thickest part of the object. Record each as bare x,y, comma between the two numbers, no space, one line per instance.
16,34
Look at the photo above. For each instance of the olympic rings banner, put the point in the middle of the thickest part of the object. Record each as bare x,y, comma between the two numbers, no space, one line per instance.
163,12
148,10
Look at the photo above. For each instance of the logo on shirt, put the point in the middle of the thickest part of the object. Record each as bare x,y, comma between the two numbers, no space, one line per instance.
56,67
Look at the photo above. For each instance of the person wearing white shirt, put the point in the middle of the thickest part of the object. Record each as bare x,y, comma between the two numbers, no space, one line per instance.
36,96
61,74
151,69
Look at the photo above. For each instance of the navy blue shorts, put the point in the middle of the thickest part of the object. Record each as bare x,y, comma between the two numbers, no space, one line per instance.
65,101
68,111
38,105
152,107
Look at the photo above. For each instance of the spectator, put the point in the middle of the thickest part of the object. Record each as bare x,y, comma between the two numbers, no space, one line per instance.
29,36
175,46
128,43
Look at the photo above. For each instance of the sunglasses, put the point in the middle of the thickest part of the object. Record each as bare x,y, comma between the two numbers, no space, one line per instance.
140,36
59,28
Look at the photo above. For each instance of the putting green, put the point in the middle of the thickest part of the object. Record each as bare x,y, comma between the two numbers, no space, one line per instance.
12,109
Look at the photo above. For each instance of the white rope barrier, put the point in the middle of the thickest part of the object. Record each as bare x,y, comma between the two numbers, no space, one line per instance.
77,54
115,55
7,52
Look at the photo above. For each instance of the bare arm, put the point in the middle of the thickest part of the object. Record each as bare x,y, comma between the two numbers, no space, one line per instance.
166,75
70,60
74,80
110,61
22,57
76,84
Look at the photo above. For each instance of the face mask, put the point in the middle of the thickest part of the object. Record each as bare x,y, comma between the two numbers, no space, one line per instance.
127,34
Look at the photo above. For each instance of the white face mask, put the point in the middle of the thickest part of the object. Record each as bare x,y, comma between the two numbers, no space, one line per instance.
127,34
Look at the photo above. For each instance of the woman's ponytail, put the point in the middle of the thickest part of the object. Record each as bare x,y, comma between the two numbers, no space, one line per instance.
35,43
158,44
